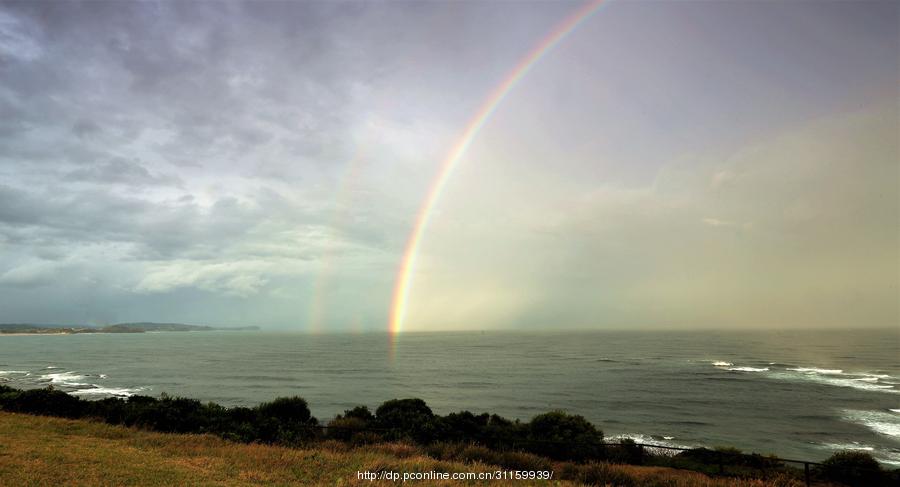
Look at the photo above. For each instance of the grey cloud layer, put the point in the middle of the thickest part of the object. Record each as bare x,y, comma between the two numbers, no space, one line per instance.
264,161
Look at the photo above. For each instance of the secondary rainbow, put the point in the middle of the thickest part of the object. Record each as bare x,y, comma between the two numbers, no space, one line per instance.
404,275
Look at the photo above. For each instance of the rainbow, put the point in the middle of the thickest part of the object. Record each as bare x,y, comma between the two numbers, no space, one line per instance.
488,107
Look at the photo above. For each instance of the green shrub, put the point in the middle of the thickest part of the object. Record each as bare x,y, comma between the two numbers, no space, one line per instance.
360,412
344,428
854,468
463,427
564,436
407,418
45,402
286,420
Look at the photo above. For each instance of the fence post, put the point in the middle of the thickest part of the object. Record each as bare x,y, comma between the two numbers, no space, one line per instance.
806,472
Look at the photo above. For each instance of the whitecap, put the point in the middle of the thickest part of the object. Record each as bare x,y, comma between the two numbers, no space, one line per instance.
96,390
654,440
65,378
833,379
7,372
885,424
816,370
894,410
749,369
722,364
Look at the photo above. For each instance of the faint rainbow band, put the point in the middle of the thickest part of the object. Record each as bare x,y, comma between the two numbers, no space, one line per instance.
403,281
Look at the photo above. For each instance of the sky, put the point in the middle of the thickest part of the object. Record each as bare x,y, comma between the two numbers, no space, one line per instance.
682,164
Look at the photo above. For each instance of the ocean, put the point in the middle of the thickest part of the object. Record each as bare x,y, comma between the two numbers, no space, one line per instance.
797,394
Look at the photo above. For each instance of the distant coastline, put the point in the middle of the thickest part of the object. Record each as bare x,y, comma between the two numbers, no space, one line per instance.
19,329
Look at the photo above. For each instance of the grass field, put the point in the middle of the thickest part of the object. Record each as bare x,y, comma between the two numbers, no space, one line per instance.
37,450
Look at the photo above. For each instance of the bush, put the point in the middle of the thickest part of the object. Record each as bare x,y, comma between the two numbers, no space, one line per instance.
563,436
344,428
360,412
286,420
407,418
854,468
463,427
627,451
45,402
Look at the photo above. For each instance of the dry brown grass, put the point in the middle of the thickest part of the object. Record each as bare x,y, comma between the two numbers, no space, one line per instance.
38,451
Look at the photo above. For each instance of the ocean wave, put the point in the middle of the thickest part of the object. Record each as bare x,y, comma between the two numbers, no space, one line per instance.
96,390
886,424
720,363
865,382
816,370
748,369
894,410
653,440
65,379
8,372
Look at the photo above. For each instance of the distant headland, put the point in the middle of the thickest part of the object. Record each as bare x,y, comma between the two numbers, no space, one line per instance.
142,327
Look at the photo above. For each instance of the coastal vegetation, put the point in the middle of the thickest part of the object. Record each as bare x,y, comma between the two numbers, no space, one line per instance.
567,444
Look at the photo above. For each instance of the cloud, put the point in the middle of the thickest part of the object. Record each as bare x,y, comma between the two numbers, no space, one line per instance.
28,276
814,216
241,159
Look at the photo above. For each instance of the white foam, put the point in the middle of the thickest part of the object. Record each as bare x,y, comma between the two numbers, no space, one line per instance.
7,372
106,391
848,446
816,370
749,369
880,422
52,367
652,440
65,378
837,377
722,364
894,410
103,376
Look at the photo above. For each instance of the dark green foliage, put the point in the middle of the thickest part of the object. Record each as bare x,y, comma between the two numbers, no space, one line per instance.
353,426
462,426
854,468
345,428
461,436
46,402
407,418
286,420
360,412
564,436
626,451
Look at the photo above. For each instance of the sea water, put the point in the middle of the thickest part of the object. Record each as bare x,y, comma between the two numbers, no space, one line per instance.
797,394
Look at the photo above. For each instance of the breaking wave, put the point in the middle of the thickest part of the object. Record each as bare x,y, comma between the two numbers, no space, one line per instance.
866,381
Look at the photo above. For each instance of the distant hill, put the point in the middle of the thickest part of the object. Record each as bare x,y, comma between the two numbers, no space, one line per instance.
140,327
148,326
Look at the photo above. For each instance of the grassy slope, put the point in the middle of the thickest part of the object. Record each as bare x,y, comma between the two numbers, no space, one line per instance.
37,450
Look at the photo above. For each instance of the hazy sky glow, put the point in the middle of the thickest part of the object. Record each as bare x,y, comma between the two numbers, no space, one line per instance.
669,164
